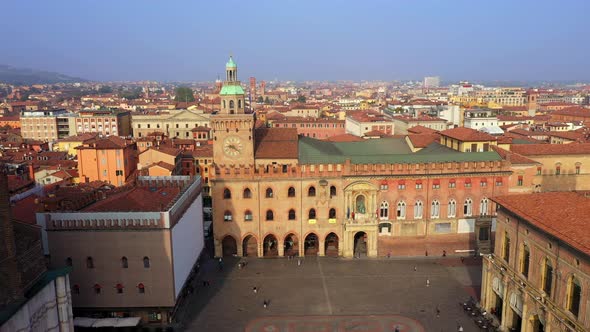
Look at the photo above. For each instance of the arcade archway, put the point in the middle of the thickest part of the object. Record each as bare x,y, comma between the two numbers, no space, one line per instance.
250,247
331,245
270,246
360,244
311,245
229,247
291,245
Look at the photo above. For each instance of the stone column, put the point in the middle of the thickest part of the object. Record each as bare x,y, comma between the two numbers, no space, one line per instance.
281,248
62,304
321,247
218,249
240,248
70,312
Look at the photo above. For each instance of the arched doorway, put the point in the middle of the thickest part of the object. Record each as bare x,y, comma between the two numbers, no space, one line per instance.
250,246
291,245
229,247
331,245
360,244
311,245
270,246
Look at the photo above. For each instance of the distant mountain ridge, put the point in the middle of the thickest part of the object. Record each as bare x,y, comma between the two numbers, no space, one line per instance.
26,76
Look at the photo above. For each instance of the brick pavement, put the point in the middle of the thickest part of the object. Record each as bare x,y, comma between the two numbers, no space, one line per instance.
375,292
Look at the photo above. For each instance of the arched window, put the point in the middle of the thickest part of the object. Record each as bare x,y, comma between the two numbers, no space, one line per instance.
291,192
291,214
248,215
311,191
418,209
574,295
269,193
483,207
224,106
231,104
269,215
239,103
140,288
384,210
525,260
547,277
401,210
226,193
311,214
124,262
332,191
247,193
435,209
69,261
76,289
146,262
468,207
89,262
227,216
332,213
452,212
119,288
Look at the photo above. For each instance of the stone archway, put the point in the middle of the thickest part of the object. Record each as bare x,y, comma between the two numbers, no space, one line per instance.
311,245
331,245
270,246
360,244
229,247
250,246
291,245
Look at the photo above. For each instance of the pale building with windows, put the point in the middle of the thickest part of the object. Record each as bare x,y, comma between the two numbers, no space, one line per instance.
173,123
537,279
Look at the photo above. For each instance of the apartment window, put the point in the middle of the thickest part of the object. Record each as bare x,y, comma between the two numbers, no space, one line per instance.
401,185
97,288
146,262
452,211
124,262
525,260
384,186
291,192
247,193
467,183
248,215
141,288
484,233
558,170
483,183
419,184
311,191
506,248
90,262
227,216
578,169
483,206
384,210
435,209
69,261
269,215
311,214
418,209
332,191
226,193
436,184
119,288
498,182
291,214
520,181
401,210
332,213
452,183
539,170
547,277
574,295
468,207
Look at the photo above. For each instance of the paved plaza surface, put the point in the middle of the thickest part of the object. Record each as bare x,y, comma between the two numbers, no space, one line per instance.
332,294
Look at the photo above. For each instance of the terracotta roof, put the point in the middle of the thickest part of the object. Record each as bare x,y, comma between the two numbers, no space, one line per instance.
560,214
424,118
422,141
420,129
110,142
162,164
203,151
276,143
514,118
25,210
142,199
344,138
165,150
573,111
570,135
512,157
551,149
79,138
467,134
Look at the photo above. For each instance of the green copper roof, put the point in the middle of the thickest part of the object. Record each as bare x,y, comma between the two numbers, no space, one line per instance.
230,63
231,90
385,150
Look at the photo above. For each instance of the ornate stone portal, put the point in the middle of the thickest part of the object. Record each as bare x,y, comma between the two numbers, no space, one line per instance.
360,227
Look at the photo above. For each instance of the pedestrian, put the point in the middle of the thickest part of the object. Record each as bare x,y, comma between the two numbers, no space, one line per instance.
389,254
437,312
462,259
255,290
427,282
265,303
299,262
415,268
460,328
444,253
396,329
426,253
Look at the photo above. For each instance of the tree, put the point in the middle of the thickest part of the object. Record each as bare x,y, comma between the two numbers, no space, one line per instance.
260,99
184,93
105,89
134,93
301,99
266,100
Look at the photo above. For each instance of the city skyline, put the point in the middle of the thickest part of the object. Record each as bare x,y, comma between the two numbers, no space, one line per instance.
300,41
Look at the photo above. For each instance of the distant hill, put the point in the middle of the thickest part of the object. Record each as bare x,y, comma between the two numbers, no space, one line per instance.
25,76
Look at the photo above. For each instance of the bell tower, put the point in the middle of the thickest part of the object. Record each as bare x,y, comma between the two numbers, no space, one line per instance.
233,129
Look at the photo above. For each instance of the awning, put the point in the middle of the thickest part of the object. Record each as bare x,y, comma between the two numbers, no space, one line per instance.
106,322
436,181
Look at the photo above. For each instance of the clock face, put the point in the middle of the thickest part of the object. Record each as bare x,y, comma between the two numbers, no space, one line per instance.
232,146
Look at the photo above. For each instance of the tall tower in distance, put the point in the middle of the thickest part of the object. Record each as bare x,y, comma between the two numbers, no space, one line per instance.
262,88
253,88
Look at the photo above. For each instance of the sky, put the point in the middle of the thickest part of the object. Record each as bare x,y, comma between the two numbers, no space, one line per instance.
115,40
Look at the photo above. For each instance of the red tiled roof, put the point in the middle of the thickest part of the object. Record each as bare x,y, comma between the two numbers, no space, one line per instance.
164,165
551,149
277,143
573,111
560,214
422,141
142,199
79,138
420,129
467,134
514,158
110,142
203,151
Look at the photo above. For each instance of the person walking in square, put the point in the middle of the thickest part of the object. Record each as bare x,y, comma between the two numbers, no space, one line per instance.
427,282
255,290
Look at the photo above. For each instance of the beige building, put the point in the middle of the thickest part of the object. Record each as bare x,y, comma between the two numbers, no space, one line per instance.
538,277
47,125
403,123
131,250
173,123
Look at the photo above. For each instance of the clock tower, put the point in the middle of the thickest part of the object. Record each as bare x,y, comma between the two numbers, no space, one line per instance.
233,129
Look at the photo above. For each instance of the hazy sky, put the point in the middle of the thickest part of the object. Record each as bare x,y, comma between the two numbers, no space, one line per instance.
300,39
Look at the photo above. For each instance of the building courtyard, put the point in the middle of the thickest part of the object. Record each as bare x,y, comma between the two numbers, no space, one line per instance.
332,294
